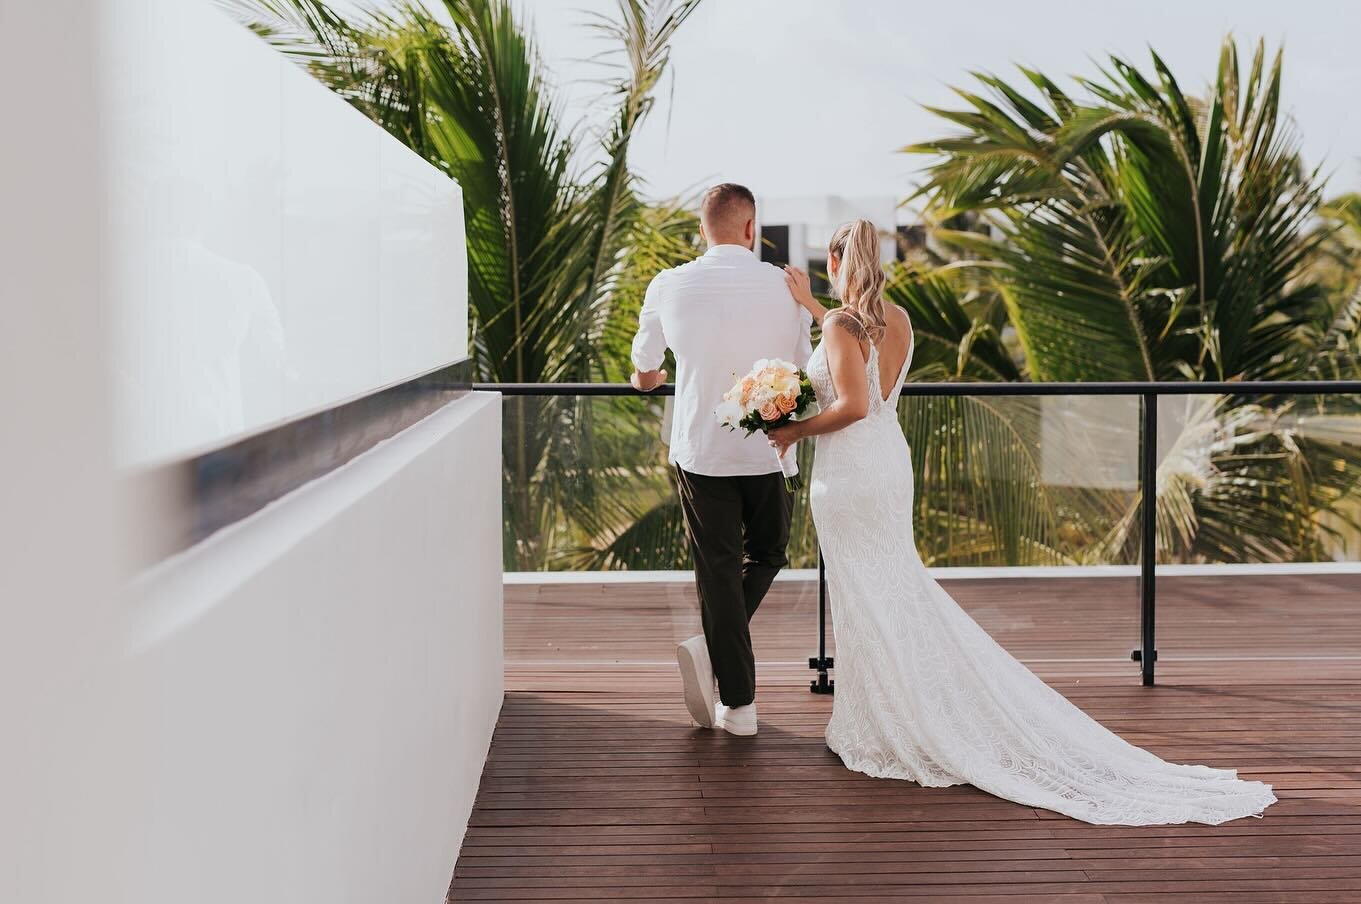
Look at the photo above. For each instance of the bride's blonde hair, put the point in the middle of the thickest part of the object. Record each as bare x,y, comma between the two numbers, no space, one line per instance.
860,279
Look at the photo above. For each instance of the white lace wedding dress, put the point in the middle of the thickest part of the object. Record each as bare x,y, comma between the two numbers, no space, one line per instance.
924,694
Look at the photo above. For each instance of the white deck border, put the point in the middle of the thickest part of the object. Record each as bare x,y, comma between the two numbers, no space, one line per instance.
957,574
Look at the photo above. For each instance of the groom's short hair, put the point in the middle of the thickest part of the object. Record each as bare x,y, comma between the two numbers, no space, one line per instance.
727,205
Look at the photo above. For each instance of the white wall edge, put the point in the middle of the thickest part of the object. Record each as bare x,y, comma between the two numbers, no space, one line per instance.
237,552
334,664
958,573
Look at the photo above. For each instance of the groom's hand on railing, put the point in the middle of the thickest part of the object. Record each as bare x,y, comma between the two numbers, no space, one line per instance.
647,380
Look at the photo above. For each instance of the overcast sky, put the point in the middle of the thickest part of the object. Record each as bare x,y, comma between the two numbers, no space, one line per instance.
796,97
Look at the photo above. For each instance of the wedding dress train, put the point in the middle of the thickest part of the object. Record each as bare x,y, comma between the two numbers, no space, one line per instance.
926,695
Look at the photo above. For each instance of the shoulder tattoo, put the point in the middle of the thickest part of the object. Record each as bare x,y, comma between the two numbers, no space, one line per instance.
848,322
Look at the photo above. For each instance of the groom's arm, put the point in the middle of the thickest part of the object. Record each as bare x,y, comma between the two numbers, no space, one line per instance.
649,343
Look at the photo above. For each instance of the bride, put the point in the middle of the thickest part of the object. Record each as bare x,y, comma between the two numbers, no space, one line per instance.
923,693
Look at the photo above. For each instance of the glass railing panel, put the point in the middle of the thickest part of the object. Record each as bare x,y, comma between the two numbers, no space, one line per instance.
1259,530
1027,510
1016,480
1044,487
587,486
1259,479
590,510
1000,481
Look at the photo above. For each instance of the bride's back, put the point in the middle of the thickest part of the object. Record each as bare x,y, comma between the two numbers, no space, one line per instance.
894,347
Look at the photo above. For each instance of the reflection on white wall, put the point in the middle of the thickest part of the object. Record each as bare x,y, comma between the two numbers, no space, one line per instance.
275,252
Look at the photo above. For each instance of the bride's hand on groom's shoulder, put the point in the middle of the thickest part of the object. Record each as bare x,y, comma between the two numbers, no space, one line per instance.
799,286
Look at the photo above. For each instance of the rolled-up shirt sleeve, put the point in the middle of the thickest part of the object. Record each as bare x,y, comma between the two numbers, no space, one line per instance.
803,348
649,343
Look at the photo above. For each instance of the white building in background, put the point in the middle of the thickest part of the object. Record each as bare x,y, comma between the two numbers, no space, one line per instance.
796,230
250,608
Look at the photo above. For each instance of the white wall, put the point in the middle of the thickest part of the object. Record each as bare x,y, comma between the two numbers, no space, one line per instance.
317,685
307,697
296,710
59,798
275,252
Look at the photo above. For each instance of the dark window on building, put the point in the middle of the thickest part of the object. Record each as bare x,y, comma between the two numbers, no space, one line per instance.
817,277
775,244
910,239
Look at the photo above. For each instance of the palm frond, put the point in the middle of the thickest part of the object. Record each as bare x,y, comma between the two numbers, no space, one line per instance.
1145,233
949,339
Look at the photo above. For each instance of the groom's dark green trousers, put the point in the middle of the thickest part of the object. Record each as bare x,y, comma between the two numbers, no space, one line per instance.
738,529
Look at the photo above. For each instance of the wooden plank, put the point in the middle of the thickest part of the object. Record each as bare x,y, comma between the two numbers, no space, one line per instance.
597,786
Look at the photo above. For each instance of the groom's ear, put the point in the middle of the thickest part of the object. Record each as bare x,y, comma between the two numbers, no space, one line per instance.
702,237
750,234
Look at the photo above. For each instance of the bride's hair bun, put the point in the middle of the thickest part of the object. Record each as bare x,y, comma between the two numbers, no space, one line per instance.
860,277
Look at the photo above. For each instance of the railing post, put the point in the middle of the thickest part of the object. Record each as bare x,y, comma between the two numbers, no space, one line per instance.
823,685
1147,654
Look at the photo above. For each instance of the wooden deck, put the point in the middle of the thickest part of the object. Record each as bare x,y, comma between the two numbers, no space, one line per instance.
598,788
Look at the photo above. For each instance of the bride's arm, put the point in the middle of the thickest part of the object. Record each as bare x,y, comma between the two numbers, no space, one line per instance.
846,362
802,290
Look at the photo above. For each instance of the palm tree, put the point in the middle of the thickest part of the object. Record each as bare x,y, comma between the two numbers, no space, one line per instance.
1338,267
1343,213
1144,234
641,526
551,211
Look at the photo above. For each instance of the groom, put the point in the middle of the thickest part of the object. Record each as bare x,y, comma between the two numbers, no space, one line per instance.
719,314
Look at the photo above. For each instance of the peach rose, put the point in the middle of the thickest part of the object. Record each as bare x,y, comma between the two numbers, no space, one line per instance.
786,403
770,411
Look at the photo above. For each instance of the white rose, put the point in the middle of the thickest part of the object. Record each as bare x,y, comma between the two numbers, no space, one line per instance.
729,413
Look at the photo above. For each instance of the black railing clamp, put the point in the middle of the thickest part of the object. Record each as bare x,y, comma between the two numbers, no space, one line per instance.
823,684
821,662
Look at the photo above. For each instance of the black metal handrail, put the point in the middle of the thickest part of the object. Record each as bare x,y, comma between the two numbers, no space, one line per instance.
1147,653
1179,387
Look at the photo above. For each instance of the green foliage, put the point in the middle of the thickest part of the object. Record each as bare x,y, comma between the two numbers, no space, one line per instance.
1120,230
1145,234
957,335
549,239
664,236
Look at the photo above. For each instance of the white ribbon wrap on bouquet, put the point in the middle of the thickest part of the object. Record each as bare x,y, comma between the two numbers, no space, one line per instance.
789,461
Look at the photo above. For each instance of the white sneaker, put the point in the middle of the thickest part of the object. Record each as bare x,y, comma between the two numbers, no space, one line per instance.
697,674
736,720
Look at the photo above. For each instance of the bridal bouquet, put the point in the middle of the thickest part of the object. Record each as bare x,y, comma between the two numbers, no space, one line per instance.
773,394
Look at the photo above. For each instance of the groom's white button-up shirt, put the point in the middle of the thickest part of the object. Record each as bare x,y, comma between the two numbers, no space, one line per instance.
718,314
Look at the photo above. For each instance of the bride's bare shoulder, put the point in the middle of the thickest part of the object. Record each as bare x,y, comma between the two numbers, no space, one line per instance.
902,316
